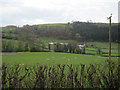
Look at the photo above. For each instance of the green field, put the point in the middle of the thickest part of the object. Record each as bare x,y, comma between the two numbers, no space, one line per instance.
47,40
30,58
104,44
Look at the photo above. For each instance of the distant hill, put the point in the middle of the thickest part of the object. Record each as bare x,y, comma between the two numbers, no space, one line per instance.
79,31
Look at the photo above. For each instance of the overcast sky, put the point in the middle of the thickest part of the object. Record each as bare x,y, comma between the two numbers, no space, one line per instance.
21,12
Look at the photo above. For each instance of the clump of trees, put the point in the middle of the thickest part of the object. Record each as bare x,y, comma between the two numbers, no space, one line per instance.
68,48
12,46
94,31
20,46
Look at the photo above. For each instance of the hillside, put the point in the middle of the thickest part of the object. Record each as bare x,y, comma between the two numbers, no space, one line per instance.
80,31
36,36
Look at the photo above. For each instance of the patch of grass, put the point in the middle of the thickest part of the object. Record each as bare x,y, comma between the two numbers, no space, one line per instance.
114,52
103,44
50,39
54,24
30,58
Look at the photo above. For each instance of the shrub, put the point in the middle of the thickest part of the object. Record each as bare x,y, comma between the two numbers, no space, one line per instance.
61,76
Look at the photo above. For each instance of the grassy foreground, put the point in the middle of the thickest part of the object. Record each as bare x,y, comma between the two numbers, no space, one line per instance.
105,75
30,58
58,70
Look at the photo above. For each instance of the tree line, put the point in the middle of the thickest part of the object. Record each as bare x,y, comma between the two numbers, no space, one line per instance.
79,31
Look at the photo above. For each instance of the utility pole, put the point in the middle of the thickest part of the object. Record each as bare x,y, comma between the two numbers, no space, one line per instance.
109,18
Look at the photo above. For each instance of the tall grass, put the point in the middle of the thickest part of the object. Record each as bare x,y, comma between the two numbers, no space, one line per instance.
104,75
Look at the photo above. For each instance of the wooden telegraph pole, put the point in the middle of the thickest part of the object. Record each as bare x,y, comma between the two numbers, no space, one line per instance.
110,79
109,18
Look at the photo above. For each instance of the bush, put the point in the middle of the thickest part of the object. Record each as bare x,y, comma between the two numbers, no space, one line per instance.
99,51
61,76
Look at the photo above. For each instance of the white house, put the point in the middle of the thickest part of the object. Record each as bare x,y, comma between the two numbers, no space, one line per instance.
81,46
